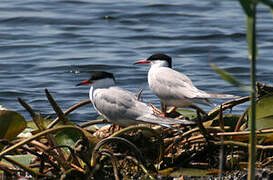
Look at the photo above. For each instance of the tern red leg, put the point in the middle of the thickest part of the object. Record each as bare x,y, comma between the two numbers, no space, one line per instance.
163,109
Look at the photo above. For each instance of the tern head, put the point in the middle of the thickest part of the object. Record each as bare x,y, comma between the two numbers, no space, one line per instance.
157,59
99,78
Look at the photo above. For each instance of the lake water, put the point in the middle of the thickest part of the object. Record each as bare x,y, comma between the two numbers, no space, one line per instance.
55,44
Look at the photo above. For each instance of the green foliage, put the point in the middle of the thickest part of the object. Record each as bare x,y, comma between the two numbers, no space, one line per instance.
11,124
264,112
22,159
68,137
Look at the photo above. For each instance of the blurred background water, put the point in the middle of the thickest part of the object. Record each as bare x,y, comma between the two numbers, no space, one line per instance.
55,44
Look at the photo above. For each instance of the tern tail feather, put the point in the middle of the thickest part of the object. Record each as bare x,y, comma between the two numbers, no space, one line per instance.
154,119
221,96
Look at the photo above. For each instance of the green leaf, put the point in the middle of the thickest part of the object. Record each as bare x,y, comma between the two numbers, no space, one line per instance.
172,172
46,122
191,114
68,137
23,159
264,112
11,124
246,5
249,36
229,78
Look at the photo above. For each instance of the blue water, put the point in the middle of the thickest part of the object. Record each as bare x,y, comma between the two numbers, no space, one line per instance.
55,44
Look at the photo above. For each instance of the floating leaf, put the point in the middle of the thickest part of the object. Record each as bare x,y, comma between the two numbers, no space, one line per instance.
191,114
264,112
68,137
185,172
11,124
229,78
23,159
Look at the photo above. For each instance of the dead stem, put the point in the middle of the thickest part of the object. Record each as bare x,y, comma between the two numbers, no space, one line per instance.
116,140
90,123
56,108
72,108
27,107
114,160
227,105
27,140
242,144
239,122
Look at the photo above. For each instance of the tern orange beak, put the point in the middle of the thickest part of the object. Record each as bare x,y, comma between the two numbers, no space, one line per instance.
145,61
84,83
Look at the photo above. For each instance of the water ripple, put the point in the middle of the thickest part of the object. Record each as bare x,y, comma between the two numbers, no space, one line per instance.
56,44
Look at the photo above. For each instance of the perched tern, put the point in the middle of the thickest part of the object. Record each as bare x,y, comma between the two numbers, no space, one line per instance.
121,107
172,87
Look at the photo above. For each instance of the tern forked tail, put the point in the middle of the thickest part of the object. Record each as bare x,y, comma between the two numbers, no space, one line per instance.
221,96
154,119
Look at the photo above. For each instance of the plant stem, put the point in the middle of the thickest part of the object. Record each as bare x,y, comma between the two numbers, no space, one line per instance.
252,148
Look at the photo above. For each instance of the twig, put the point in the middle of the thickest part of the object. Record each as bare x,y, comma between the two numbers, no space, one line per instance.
139,94
27,107
116,140
56,108
72,108
198,109
227,105
239,122
141,166
242,144
262,131
90,123
143,128
155,109
203,130
48,131
113,160
221,153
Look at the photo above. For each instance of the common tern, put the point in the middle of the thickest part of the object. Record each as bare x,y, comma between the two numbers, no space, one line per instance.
174,88
121,107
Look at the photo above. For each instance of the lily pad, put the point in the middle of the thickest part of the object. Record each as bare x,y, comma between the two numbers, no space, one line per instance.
11,124
68,137
264,112
191,172
22,159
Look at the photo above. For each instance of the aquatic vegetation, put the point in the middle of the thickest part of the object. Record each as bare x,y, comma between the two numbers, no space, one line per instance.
47,149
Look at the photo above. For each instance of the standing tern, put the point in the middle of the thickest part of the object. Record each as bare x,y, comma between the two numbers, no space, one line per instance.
174,88
119,106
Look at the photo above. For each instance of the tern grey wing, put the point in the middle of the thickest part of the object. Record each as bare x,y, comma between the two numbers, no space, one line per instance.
122,107
168,82
179,85
117,105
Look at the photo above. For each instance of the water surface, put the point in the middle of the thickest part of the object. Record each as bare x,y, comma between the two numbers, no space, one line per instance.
55,45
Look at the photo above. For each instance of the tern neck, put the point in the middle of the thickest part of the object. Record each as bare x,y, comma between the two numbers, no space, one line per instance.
159,63
103,83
